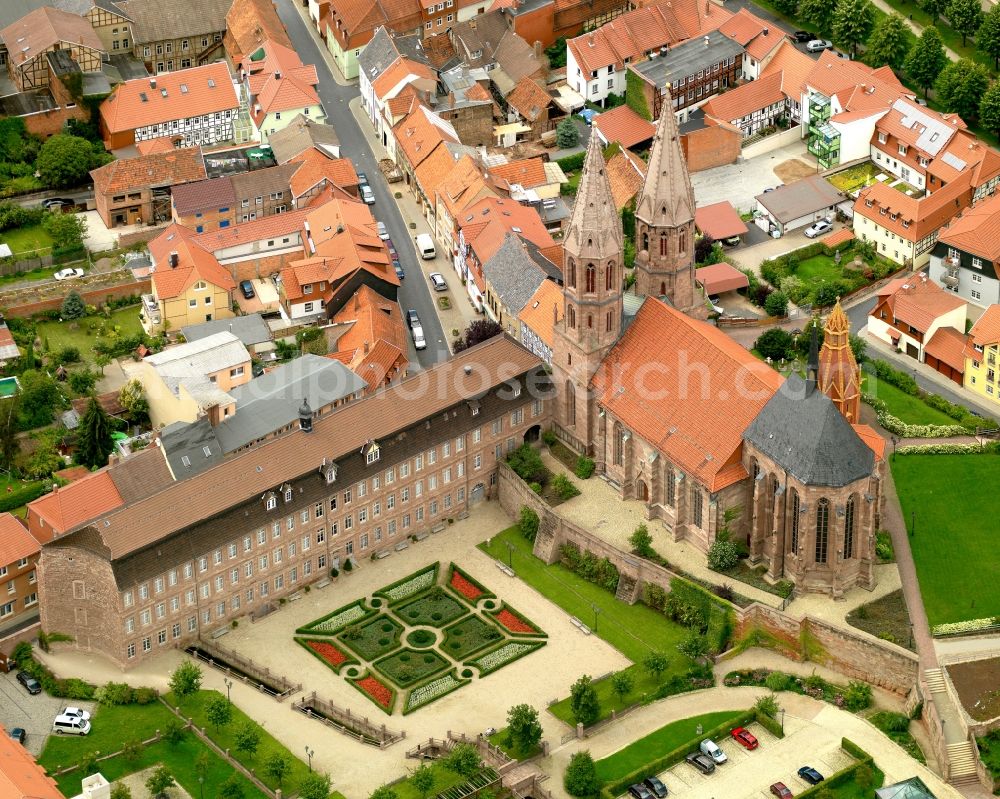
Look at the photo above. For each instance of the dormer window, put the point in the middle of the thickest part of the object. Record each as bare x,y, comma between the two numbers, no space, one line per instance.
371,452
882,138
287,491
307,288
270,501
902,149
331,473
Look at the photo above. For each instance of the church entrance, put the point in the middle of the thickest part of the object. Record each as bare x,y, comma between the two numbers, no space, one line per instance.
532,434
641,491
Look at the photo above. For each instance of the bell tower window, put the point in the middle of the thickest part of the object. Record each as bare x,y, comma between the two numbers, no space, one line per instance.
591,286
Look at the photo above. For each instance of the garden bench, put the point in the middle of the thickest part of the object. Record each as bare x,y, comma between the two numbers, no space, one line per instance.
509,571
420,536
383,554
220,632
295,597
500,564
323,583
437,528
401,546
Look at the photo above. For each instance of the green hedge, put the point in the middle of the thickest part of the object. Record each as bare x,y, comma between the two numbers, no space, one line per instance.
22,496
487,594
383,591
572,163
845,774
635,98
310,628
538,631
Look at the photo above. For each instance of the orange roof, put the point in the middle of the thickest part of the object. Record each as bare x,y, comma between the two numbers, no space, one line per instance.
838,237
856,84
719,220
948,346
163,144
793,65
79,502
317,167
757,36
721,277
463,186
72,473
434,170
977,230
288,92
543,310
266,227
374,319
169,168
15,540
194,263
667,409
420,133
626,174
382,364
986,330
20,776
914,218
872,439
251,23
501,217
906,121
402,72
527,172
625,126
177,95
529,99
917,301
477,92
746,99
43,29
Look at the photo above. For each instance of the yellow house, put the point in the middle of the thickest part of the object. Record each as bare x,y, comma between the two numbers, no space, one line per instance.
192,380
189,285
982,354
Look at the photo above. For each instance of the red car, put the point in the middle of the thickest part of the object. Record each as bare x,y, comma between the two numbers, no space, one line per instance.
744,738
780,790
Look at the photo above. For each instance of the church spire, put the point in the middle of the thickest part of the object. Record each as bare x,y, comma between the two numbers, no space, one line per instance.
595,228
839,375
666,199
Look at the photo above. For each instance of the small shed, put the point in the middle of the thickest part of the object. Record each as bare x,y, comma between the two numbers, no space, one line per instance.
719,221
719,278
797,205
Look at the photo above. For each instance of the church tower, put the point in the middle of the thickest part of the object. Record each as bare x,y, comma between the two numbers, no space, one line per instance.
592,299
839,375
664,220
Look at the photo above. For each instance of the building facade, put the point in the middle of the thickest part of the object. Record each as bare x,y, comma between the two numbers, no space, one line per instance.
18,578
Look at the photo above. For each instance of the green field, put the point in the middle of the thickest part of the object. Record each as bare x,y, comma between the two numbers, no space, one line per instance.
906,408
954,544
27,239
60,334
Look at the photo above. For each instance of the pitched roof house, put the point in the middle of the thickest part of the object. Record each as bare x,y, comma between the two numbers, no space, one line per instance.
43,30
909,312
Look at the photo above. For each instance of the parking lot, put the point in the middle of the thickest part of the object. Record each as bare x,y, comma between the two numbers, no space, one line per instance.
34,714
750,774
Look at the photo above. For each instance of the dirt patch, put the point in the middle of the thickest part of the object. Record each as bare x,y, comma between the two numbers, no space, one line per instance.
793,169
977,685
885,618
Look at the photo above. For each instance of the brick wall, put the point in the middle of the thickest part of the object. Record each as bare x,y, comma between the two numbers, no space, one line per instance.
48,123
710,147
93,297
146,234
473,124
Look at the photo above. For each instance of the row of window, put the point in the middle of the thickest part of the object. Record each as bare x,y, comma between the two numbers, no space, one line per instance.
10,608
12,588
168,47
21,564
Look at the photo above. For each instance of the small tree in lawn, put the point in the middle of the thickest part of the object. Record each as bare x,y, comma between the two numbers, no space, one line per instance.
277,766
961,85
768,706
219,711
73,306
93,439
423,780
926,59
159,781
231,788
888,43
935,8
989,109
202,764
988,38
641,541
383,792
464,760
523,728
853,22
186,679
580,778
120,791
567,134
622,683
247,739
775,344
584,702
965,16
528,523
314,786
655,663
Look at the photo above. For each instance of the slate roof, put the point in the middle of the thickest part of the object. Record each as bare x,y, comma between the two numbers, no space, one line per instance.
514,275
251,329
385,47
805,433
156,20
190,448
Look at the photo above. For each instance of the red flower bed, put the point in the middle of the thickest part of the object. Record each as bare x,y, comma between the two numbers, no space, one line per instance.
376,691
328,652
464,587
513,623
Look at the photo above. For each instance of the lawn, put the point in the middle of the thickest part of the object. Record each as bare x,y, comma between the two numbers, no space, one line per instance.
819,268
905,407
60,334
443,780
374,639
954,544
27,239
669,737
643,685
854,178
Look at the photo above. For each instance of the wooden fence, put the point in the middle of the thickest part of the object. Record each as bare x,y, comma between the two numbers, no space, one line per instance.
246,671
345,721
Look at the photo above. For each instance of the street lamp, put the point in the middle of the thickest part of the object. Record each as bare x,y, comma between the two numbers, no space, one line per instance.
229,688
597,612
309,754
913,523
895,441
510,553
201,786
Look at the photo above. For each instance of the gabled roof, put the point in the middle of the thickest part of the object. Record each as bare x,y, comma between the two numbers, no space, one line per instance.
20,776
513,273
623,126
383,361
401,73
302,134
250,329
15,543
805,196
260,229
464,185
43,28
434,169
354,22
756,35
675,422
793,66
250,23
315,167
287,91
986,330
719,220
917,301
948,346
744,100
502,217
168,96
202,195
181,165
373,318
156,20
192,365
526,172
543,310
977,230
919,127
386,46
626,173
913,218
529,99
420,133
194,264
79,502
856,85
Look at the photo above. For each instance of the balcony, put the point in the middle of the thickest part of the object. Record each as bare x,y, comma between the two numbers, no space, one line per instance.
819,109
149,315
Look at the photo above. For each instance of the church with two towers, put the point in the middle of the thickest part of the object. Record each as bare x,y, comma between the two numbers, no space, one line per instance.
679,416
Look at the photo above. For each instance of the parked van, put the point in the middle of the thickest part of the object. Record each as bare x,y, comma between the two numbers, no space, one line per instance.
70,725
425,246
418,337
710,748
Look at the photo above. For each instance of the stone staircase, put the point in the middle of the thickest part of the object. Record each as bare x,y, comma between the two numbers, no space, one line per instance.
935,680
627,589
962,760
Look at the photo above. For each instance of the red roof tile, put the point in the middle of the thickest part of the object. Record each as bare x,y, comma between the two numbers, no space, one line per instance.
171,168
529,99
977,230
624,126
526,172
915,217
719,221
15,542
79,502
194,263
948,346
917,301
985,331
746,99
721,277
626,174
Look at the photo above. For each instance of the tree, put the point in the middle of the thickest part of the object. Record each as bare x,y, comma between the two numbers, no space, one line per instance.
102,360
888,42
132,750
121,791
768,706
231,788
567,135
9,444
476,333
38,400
556,53
655,663
528,523
621,684
64,161
93,439
853,21
776,304
965,16
775,344
159,781
247,738
858,347
787,7
277,766
935,8
73,307
989,106
219,711
723,554
583,701
67,230
580,778
314,786
185,679
523,728
694,645
132,398
703,249
383,792
926,59
960,86
464,760
423,780
820,13
202,764
988,38
641,541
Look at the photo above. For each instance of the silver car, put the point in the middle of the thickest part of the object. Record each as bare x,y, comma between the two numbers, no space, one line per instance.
367,195
818,229
818,45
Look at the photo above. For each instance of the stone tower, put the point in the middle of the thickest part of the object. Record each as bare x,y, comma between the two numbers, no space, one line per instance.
839,375
664,220
592,299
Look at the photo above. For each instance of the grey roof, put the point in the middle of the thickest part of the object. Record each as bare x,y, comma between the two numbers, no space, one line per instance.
271,401
190,448
516,57
95,84
385,47
156,20
250,329
300,134
191,364
801,198
913,788
513,273
686,59
482,34
29,102
805,433
62,62
125,66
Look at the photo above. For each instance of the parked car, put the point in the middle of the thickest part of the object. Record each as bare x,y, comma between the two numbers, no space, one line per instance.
732,241
803,36
246,287
425,246
780,790
57,203
744,738
818,45
437,281
76,712
810,775
711,749
391,248
656,787
418,337
362,179
818,228
18,734
31,685
714,302
382,232
639,791
412,319
701,762
367,195
69,273
70,725
398,269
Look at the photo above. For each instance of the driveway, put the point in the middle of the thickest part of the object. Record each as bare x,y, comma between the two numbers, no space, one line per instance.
33,714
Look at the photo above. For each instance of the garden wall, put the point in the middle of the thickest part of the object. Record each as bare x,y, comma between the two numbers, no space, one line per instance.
773,142
97,296
144,234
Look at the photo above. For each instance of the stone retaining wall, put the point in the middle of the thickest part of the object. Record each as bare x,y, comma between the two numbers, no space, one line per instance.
13,306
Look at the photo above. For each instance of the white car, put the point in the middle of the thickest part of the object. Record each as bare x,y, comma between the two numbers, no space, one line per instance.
382,232
818,229
710,748
418,337
818,45
367,195
75,712
68,274
437,281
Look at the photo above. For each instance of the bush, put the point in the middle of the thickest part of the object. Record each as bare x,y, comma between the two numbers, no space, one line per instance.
723,554
185,679
572,163
21,653
778,681
563,487
527,463
767,706
584,702
145,696
584,467
858,696
581,778
775,344
641,541
73,306
776,304
694,645
528,523
549,438
116,693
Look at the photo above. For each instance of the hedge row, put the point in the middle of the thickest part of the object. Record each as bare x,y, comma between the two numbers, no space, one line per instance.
845,774
572,163
385,589
949,449
22,496
901,428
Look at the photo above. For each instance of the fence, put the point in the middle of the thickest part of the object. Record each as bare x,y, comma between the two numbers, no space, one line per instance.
246,671
343,720
70,769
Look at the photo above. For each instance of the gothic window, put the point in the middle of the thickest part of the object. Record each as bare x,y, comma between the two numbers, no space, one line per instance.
645,240
571,317
668,479
822,529
682,242
618,456
571,276
609,277
590,321
663,244
663,289
774,502
696,503
591,286
609,319
570,404
849,515
794,547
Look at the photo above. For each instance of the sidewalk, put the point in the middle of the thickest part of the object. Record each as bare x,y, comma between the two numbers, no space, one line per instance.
335,72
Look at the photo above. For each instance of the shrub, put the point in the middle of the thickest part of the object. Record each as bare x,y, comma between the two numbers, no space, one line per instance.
186,679
527,463
549,438
584,467
776,304
528,523
775,344
348,566
563,487
778,681
723,554
641,541
858,696
21,653
767,705
173,731
116,693
694,645
581,778
73,306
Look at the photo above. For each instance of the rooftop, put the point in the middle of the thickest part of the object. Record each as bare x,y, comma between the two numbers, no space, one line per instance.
46,27
624,126
719,221
15,542
177,166
20,776
193,263
301,134
250,329
806,196
155,20
543,311
76,503
688,58
918,301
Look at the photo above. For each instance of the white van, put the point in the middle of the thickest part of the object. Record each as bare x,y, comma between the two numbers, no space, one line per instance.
418,337
70,725
425,246
710,748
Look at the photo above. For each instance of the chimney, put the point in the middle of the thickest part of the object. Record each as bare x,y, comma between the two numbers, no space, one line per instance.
366,347
538,49
766,31
152,83
706,40
305,417
174,259
277,76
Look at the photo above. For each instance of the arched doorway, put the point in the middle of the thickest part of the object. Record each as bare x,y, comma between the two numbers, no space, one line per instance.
641,491
532,434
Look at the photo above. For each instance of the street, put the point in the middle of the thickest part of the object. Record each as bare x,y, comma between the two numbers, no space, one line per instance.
414,291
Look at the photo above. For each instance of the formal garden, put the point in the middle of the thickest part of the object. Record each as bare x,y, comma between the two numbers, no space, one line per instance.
420,638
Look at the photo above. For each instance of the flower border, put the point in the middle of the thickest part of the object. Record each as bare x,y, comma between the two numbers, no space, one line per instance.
486,592
484,671
351,660
460,682
383,592
310,628
495,613
368,673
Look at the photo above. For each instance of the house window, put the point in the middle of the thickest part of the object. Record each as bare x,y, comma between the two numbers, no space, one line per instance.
978,263
822,529
902,149
697,506
881,138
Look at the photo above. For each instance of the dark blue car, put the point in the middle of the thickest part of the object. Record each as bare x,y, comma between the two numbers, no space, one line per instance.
810,775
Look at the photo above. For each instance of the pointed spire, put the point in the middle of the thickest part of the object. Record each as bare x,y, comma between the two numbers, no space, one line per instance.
838,321
595,228
812,367
666,199
839,375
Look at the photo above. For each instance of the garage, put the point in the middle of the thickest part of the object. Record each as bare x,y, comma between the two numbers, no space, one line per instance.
797,205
